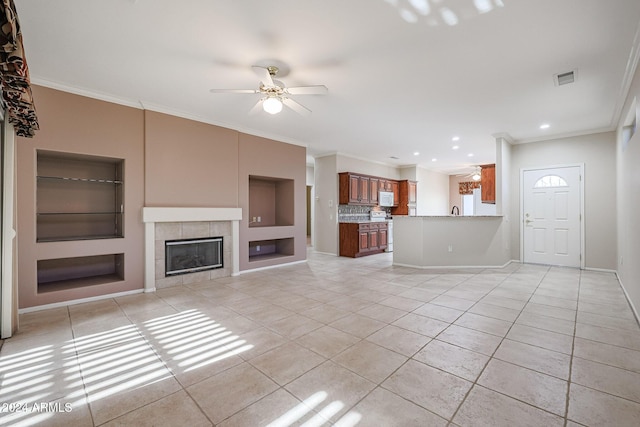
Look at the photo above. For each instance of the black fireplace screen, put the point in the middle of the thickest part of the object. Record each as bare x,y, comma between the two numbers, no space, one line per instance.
189,256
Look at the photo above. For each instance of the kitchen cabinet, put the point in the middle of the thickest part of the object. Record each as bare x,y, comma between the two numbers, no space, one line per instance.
394,186
359,189
374,187
488,183
360,239
407,198
355,189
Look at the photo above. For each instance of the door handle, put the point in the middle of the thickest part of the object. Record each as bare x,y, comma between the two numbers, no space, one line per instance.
528,221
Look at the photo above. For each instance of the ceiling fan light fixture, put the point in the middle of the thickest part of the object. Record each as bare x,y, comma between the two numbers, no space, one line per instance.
272,105
476,175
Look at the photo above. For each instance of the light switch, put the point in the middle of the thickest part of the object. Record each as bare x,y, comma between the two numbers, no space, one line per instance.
330,203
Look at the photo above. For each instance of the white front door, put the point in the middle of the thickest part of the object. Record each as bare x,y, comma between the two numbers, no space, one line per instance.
551,216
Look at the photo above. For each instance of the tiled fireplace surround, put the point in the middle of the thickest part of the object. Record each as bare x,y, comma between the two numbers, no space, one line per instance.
163,224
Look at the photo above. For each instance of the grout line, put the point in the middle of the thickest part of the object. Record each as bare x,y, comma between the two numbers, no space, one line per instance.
573,345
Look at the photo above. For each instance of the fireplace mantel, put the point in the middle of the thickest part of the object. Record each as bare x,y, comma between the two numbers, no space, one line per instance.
153,215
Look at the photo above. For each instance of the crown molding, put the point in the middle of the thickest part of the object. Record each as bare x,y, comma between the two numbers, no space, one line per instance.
563,135
627,80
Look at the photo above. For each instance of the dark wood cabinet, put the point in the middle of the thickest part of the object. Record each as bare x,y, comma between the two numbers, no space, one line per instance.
360,239
407,198
374,187
395,187
359,189
488,183
355,189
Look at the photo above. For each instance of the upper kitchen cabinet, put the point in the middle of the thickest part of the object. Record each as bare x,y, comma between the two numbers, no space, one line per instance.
356,189
488,183
407,198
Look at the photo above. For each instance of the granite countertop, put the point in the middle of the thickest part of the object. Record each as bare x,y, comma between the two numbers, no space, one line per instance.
451,216
362,222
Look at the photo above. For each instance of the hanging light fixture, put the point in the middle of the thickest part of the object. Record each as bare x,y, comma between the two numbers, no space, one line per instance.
476,175
272,105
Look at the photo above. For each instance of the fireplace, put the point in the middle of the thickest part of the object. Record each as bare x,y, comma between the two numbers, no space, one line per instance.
193,255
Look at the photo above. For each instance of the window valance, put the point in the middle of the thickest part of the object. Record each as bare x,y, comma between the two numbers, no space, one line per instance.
467,187
14,73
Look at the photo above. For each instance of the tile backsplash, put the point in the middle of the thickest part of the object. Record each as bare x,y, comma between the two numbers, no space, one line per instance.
350,213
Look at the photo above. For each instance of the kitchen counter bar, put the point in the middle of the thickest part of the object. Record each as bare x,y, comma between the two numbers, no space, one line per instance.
451,241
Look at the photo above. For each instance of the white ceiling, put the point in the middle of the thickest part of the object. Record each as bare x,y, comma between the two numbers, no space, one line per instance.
467,68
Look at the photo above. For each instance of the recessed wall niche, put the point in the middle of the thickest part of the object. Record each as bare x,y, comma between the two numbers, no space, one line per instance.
261,250
70,273
79,197
271,201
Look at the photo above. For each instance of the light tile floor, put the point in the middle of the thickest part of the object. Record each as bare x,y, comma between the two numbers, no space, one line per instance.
336,341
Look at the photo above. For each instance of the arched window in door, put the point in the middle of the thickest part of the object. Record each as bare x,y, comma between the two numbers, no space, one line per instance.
550,181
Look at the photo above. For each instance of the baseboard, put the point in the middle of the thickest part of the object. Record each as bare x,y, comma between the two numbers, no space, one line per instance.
453,267
78,301
269,267
324,253
633,307
602,270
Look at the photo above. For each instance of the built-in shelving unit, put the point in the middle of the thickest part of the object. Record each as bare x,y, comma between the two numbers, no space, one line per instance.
261,250
271,202
271,219
70,273
79,197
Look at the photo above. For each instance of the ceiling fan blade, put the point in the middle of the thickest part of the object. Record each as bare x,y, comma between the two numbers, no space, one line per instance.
234,91
307,90
257,108
264,75
298,108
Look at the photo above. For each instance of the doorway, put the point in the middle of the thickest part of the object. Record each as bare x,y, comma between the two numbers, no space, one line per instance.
552,208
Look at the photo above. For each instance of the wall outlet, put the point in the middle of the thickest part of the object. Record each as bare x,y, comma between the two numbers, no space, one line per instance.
253,219
450,248
259,219
257,248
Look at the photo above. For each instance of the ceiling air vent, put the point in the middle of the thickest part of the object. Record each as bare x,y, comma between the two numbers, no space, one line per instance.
565,78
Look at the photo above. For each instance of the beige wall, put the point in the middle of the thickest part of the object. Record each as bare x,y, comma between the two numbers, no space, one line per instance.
189,164
326,205
172,161
75,124
433,192
597,152
267,158
352,164
455,199
628,203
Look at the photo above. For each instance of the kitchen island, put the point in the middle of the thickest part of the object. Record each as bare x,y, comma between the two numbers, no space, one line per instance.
451,241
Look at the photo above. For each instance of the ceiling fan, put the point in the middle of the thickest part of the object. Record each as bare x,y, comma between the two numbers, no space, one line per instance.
476,175
275,93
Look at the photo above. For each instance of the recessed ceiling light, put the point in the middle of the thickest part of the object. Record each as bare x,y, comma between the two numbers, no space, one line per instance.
416,153
470,155
434,160
545,126
455,138
455,147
